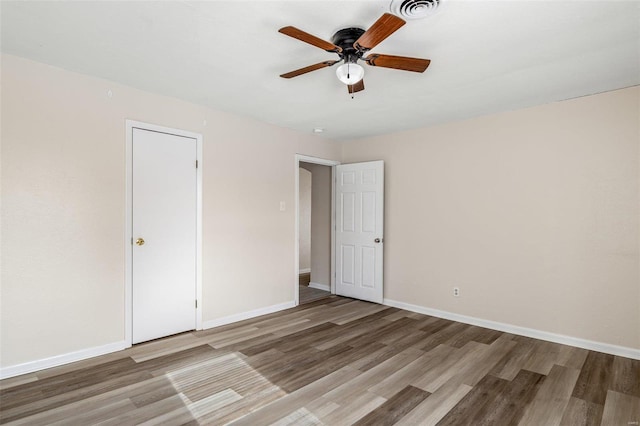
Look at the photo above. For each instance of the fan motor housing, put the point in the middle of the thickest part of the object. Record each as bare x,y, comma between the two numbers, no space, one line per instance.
345,38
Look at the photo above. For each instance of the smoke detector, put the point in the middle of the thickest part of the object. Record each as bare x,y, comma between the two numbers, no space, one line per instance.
415,9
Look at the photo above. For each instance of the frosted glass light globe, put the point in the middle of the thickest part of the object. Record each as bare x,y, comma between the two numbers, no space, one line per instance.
350,73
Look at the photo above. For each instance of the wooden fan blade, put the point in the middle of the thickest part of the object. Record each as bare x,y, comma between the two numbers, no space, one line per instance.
308,69
353,88
398,62
386,25
311,39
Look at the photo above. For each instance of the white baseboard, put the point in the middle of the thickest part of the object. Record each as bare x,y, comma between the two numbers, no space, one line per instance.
54,361
522,331
320,286
304,271
247,315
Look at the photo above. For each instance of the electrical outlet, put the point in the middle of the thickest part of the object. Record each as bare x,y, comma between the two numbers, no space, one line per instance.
456,292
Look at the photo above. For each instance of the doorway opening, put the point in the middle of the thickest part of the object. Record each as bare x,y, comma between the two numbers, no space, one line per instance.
314,232
314,229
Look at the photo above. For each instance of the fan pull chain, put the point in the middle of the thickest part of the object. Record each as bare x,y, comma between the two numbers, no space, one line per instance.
349,76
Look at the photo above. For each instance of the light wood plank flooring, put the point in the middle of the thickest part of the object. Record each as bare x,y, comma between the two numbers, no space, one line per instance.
334,361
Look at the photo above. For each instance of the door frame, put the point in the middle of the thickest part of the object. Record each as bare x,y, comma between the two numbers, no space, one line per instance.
323,162
128,231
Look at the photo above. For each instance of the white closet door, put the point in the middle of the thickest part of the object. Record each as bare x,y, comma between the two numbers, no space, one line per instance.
164,234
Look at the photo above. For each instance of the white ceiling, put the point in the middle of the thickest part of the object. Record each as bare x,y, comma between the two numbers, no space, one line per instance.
487,56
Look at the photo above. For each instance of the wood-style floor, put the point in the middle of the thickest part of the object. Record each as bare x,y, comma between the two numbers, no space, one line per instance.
304,278
308,294
334,361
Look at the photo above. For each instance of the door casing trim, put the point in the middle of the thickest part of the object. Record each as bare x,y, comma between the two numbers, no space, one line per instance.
128,231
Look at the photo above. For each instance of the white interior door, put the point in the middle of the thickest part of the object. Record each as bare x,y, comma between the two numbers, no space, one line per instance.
359,230
164,234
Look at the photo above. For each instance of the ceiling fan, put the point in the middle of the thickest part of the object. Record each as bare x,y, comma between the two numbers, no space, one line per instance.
351,45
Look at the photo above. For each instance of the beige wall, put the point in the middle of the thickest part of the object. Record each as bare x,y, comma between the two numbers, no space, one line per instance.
533,214
304,221
320,223
63,186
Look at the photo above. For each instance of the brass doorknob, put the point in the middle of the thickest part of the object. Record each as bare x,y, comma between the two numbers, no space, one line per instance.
140,242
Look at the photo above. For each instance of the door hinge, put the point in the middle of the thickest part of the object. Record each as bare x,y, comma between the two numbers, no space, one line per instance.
196,164
196,303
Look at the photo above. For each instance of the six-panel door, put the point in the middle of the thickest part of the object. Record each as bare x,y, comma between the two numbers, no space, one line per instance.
359,230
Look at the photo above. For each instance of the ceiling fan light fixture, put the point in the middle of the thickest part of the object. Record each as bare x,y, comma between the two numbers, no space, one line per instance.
350,73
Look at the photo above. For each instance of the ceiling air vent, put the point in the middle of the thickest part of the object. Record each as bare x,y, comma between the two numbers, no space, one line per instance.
415,9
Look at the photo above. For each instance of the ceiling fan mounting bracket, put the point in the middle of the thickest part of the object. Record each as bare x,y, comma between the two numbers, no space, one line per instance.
345,39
